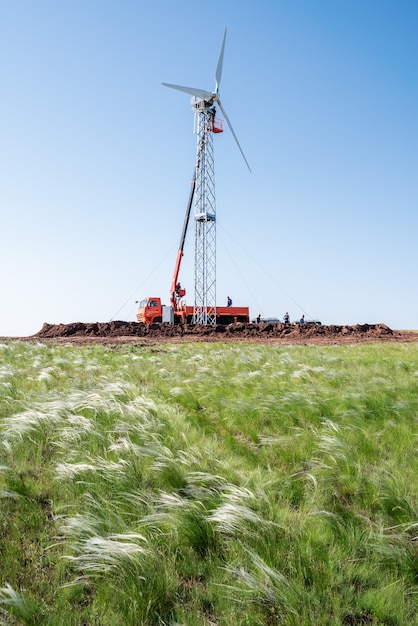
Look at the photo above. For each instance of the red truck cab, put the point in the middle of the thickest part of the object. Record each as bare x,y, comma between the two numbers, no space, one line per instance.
149,311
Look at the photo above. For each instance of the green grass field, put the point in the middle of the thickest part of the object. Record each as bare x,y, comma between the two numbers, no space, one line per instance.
208,484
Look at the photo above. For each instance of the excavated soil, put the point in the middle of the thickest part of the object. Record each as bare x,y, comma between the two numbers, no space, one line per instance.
120,332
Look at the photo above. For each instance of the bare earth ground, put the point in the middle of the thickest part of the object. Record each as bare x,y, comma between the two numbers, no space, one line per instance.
120,332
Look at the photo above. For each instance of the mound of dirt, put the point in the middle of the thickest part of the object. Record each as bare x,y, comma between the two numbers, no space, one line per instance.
120,331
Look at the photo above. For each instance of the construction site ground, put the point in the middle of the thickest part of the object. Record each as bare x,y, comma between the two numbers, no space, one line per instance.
121,332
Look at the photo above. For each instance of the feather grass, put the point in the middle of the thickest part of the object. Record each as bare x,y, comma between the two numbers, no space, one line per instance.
13,605
242,484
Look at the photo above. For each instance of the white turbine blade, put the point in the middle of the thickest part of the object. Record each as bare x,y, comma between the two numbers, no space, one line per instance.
199,93
218,74
232,131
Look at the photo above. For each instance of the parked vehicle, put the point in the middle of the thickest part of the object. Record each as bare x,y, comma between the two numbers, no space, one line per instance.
151,310
266,320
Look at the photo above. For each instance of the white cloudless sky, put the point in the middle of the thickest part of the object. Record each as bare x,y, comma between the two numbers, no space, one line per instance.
96,157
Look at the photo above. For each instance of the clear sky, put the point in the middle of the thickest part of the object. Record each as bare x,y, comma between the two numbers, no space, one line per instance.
96,157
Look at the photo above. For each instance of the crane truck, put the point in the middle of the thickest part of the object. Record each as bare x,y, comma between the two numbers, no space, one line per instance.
151,310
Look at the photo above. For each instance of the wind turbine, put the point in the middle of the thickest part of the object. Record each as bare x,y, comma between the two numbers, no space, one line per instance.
203,104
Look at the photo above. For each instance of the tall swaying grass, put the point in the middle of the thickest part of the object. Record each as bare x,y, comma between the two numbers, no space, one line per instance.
208,484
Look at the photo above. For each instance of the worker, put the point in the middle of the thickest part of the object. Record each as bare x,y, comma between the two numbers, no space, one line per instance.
302,319
228,301
258,318
178,287
286,318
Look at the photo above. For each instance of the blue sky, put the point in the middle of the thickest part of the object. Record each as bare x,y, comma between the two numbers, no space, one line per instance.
97,156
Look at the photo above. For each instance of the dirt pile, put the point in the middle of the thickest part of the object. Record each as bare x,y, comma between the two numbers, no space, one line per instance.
235,332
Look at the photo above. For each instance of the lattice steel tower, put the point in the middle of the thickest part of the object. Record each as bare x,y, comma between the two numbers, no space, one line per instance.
204,195
205,216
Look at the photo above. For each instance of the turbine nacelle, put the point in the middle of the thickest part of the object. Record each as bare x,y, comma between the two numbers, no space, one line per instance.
209,98
199,104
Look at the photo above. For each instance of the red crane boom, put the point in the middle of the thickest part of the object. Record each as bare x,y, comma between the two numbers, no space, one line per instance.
176,292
